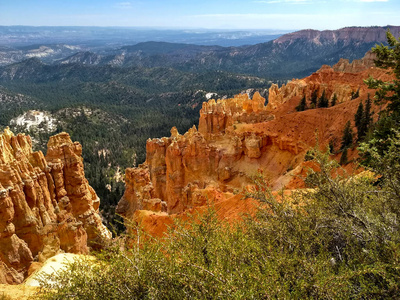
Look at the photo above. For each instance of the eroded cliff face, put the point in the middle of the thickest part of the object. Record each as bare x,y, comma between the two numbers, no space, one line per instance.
342,79
46,204
239,137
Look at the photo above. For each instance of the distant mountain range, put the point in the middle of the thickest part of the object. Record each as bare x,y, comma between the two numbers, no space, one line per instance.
296,54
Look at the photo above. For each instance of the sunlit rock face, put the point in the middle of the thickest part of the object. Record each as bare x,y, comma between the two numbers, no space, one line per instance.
46,204
240,137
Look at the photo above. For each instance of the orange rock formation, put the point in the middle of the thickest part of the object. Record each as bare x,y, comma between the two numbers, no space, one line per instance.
237,138
46,204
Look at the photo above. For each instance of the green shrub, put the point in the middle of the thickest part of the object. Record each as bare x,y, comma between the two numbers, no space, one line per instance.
338,240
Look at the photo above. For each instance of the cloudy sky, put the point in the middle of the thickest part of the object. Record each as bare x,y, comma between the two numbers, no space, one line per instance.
213,14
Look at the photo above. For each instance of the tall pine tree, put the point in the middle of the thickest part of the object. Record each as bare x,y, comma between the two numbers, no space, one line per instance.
368,120
359,121
323,101
302,105
347,139
314,99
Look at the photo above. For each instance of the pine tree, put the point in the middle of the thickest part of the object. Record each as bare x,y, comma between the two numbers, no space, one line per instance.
359,121
334,99
367,113
323,101
343,158
388,57
314,99
347,139
302,105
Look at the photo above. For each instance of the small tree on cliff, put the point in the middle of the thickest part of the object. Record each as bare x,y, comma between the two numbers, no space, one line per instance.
347,139
323,101
302,105
314,99
359,121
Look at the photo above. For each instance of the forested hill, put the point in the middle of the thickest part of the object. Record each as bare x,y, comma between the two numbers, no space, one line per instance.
111,110
295,54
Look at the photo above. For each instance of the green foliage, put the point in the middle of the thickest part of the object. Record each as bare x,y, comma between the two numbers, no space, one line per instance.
344,158
339,240
359,115
314,99
363,119
310,155
347,138
302,105
323,101
388,57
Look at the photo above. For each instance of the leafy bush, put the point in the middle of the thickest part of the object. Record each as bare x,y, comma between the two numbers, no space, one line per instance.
338,239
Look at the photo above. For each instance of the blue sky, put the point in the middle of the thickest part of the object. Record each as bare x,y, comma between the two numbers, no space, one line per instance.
216,14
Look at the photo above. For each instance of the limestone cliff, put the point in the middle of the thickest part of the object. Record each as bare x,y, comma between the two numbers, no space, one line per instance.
239,137
46,204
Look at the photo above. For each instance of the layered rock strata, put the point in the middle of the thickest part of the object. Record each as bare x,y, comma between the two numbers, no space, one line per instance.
46,204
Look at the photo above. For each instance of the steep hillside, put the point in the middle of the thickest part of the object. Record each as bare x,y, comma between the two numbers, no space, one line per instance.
239,137
47,204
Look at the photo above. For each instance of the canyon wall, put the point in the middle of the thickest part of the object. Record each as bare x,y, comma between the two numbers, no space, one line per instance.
46,204
240,137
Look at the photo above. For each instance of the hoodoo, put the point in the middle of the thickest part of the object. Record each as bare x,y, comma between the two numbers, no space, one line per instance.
46,204
238,137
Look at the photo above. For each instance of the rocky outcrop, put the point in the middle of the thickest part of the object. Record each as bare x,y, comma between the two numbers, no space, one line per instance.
216,116
46,204
238,138
200,166
342,80
357,65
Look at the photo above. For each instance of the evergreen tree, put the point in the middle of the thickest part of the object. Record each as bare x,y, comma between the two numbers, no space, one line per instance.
358,118
387,92
302,105
388,57
334,99
343,158
360,121
367,113
323,101
347,139
314,99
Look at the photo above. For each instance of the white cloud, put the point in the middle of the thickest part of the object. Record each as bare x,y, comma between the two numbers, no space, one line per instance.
124,5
